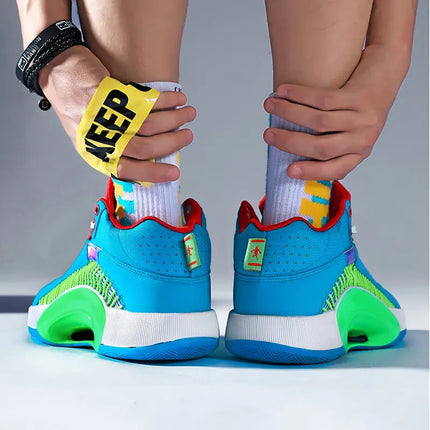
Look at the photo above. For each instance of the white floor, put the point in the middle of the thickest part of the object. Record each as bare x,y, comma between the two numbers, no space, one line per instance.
57,388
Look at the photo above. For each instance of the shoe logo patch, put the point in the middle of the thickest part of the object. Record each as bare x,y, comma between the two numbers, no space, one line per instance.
93,252
191,252
254,254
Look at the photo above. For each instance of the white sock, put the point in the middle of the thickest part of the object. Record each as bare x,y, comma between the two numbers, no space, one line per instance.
287,197
161,200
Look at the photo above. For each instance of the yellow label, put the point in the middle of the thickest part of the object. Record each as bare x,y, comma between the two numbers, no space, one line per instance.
113,116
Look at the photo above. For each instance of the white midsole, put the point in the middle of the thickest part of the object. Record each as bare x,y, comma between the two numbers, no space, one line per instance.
131,329
33,315
316,332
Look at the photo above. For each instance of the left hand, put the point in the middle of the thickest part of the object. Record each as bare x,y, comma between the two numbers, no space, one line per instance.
348,122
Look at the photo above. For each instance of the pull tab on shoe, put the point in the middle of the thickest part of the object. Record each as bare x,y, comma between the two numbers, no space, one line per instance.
254,254
191,252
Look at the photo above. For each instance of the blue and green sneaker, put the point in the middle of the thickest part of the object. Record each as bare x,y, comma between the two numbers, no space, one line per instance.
140,292
302,294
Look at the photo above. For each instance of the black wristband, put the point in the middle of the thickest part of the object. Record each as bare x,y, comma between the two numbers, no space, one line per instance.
46,46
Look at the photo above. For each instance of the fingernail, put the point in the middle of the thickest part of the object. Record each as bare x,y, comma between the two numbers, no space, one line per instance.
189,135
270,106
295,172
192,114
173,174
270,137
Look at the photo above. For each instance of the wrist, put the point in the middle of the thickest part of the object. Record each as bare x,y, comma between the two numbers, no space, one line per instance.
76,64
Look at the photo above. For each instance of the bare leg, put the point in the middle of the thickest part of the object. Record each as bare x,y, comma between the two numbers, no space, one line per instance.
136,40
140,41
316,43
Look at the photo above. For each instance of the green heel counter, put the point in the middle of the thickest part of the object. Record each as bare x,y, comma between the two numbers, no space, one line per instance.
74,312
361,314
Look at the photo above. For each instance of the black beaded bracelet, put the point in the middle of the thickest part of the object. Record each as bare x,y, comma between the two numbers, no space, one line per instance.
51,42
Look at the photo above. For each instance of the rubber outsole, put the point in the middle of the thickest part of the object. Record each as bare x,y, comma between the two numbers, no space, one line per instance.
180,349
80,318
274,353
359,321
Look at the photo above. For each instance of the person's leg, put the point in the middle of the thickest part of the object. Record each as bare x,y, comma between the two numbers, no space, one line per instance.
315,43
140,292
301,294
139,41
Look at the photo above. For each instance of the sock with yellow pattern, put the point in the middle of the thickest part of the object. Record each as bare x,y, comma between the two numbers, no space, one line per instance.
287,197
161,200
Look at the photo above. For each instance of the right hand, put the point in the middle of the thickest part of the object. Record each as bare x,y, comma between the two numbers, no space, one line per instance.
69,82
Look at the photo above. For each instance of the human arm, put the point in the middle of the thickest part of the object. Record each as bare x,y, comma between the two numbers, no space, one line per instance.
348,120
70,80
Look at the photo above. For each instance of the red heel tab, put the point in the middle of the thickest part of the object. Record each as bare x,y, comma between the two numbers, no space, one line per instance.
339,196
110,196
262,205
246,215
193,213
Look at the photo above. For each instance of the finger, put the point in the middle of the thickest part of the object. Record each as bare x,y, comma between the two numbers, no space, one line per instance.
330,170
144,148
164,121
169,100
322,147
320,98
135,170
317,120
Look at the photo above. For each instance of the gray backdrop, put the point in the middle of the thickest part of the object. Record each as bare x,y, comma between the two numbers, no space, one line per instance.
48,192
